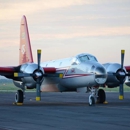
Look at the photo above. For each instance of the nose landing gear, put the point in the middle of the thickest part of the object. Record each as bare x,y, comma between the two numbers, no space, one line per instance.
97,95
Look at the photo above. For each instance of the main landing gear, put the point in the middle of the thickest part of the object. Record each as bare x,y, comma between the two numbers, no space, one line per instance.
96,94
19,97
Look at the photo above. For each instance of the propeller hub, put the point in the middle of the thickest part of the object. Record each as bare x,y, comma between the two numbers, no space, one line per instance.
121,75
38,74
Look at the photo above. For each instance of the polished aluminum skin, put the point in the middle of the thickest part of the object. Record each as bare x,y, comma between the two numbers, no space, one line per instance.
29,81
78,73
113,70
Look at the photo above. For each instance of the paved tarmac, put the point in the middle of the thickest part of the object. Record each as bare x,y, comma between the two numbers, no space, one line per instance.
64,111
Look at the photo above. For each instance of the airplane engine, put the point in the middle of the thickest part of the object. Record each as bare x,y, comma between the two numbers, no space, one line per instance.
114,74
29,75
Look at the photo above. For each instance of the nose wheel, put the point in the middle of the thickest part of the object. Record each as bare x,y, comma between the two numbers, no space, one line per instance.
91,100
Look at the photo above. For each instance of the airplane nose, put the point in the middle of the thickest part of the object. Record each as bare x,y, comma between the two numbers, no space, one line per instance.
100,75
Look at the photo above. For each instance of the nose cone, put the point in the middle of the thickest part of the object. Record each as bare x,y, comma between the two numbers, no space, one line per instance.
100,75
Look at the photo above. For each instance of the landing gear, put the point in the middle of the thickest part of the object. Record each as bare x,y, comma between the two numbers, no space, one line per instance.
93,91
91,100
19,97
96,94
101,96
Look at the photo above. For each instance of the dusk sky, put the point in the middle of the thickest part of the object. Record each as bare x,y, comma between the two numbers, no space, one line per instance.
66,28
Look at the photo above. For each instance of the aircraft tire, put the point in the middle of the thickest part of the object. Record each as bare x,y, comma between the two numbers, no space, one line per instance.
19,96
101,96
91,100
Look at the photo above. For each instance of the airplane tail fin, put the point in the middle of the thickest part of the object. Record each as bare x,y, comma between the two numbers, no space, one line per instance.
25,51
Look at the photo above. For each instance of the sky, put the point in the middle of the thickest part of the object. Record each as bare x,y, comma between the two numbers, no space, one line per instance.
66,28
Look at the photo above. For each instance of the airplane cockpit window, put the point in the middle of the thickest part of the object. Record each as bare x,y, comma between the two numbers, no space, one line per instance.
85,58
92,58
75,61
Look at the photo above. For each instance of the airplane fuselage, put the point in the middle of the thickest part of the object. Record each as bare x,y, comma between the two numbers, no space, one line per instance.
78,72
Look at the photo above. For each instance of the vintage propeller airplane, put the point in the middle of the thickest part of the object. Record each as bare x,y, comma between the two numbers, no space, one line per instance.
81,73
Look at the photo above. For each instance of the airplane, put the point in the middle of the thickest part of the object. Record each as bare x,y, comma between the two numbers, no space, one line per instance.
79,73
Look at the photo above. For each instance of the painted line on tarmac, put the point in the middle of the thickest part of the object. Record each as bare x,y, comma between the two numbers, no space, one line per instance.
113,107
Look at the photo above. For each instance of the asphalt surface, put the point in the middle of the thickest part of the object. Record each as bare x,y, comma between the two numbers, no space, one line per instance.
64,111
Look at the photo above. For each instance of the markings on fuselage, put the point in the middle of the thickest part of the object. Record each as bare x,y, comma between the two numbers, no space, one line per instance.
65,75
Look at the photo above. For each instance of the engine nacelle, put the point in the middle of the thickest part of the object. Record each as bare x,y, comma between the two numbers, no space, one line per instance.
30,81
113,69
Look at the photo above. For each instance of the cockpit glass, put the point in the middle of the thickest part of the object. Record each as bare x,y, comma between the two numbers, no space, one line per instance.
92,58
87,58
84,58
75,61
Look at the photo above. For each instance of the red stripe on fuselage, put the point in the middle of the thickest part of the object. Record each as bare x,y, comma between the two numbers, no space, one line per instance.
76,75
71,75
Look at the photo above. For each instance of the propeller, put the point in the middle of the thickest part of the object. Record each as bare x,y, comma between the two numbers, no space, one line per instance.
121,75
38,84
121,88
37,75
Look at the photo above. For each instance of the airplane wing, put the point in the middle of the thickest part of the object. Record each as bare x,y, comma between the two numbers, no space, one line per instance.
8,72
127,68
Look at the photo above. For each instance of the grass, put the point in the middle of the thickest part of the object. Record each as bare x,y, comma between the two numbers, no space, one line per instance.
126,89
9,86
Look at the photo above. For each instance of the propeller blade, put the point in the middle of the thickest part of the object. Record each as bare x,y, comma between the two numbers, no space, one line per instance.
38,58
122,58
38,91
38,84
121,88
121,91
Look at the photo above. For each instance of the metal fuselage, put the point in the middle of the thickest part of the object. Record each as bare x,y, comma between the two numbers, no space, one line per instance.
79,72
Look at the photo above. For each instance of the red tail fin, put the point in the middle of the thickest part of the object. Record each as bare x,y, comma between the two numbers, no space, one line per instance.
25,51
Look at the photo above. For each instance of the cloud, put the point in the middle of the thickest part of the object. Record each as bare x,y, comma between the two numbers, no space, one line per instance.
82,31
12,9
58,24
